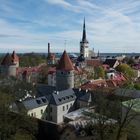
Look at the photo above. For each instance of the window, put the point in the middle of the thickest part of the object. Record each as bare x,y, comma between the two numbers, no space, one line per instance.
41,111
50,109
32,114
63,108
67,107
71,104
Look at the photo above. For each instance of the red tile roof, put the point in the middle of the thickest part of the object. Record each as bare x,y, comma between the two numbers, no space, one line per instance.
93,84
65,63
30,70
93,62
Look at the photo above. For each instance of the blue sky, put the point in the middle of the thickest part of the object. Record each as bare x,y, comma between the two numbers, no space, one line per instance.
28,25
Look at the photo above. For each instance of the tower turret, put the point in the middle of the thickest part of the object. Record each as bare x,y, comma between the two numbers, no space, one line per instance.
64,73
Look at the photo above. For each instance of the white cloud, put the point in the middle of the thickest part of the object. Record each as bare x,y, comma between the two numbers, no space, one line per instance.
114,27
59,2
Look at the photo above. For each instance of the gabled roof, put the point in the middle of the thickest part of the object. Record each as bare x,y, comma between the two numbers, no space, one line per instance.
61,97
7,60
65,63
35,103
110,62
15,58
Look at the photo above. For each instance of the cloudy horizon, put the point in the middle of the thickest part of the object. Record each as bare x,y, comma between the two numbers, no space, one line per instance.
27,26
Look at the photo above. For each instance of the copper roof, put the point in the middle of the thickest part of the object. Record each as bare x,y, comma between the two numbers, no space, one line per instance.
65,63
15,58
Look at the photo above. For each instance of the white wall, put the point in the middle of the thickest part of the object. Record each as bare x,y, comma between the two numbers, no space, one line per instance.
36,112
58,112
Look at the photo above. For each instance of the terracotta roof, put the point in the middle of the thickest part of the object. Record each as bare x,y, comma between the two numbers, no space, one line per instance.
7,60
30,70
93,84
65,63
93,62
15,58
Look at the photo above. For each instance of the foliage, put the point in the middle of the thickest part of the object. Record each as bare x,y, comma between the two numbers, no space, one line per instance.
137,86
16,89
113,108
131,85
127,70
99,72
11,124
128,85
32,59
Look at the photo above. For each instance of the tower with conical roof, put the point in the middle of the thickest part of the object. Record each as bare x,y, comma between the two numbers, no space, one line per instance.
64,73
84,43
9,64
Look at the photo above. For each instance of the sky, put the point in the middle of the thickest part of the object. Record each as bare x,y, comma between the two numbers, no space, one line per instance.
112,26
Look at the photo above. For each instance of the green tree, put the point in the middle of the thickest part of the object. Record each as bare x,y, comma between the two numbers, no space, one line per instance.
12,125
126,70
29,60
137,86
99,72
111,109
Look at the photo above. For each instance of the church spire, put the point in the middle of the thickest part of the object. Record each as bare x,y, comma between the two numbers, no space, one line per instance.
84,32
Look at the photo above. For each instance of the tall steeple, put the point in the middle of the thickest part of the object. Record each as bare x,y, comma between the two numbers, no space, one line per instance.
84,32
84,43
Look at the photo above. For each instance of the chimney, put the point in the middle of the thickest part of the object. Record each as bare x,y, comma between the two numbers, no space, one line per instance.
48,48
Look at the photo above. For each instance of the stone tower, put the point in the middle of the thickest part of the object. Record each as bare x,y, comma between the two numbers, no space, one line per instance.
64,73
84,43
9,64
50,57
